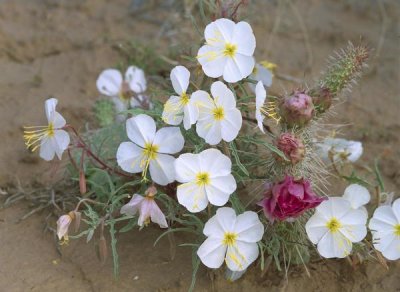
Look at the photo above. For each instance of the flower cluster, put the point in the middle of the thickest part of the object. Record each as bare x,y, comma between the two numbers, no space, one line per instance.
192,176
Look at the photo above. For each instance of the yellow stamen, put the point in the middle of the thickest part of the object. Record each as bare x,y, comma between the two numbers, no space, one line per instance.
271,111
184,98
230,50
33,135
269,65
397,230
229,238
218,113
149,153
333,225
202,178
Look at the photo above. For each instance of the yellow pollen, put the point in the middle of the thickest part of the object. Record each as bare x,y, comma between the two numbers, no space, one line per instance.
219,113
397,230
184,98
333,225
33,135
230,50
150,151
269,65
229,238
202,178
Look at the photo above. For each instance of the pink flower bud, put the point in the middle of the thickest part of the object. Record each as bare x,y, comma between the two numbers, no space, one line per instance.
322,98
297,109
289,199
292,147
63,225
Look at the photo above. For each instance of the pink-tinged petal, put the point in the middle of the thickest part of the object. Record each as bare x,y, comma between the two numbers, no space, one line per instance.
133,206
157,216
62,226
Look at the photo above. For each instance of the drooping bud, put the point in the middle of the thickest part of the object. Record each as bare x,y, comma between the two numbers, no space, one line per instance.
63,224
297,109
82,182
292,147
229,8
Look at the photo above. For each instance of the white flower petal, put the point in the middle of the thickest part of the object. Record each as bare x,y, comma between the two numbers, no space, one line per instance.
379,227
187,166
249,227
173,111
334,207
260,73
109,82
169,140
223,96
191,114
226,218
219,32
132,207
209,130
244,37
212,228
385,214
334,245
261,95
212,252
136,79
396,209
231,124
47,149
192,197
212,60
316,227
357,195
215,163
354,225
130,157
392,251
162,170
141,129
216,196
61,142
180,78
238,67
50,108
241,255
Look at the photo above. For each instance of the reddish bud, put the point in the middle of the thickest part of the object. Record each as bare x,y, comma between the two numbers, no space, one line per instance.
297,109
82,182
292,147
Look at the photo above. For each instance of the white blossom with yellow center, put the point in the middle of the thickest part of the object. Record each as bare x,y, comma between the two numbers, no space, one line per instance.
180,108
228,51
385,229
335,226
205,177
339,150
150,149
232,239
124,91
51,139
219,119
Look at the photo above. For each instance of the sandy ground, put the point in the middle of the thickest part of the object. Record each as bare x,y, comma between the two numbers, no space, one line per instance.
57,48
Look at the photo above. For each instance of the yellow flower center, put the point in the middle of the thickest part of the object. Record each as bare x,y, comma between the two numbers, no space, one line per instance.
202,178
184,98
218,113
150,151
397,230
33,135
230,50
333,225
229,238
269,65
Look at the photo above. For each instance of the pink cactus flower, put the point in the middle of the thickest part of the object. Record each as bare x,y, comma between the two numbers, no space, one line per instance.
289,199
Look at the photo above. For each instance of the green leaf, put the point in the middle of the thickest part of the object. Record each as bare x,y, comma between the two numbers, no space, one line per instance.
132,223
235,154
379,176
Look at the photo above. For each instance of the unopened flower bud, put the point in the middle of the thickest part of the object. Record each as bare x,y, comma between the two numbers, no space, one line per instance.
82,182
292,147
297,109
322,98
63,224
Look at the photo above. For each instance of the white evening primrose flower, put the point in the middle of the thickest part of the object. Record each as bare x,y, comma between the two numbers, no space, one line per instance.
181,107
385,229
219,119
205,177
147,208
228,51
358,196
63,224
261,95
262,72
339,150
150,149
51,139
232,239
335,226
126,91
